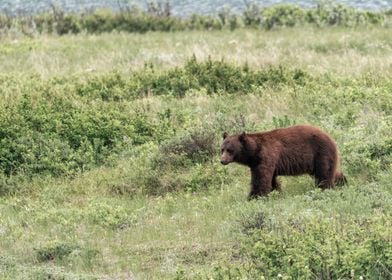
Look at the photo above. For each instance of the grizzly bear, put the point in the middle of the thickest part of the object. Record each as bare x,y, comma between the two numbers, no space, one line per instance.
296,150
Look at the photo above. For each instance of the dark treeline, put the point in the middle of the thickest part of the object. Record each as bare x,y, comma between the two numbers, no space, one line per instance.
158,17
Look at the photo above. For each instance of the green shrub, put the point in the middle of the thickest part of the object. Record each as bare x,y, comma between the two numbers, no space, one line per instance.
382,152
183,163
324,249
282,122
220,76
322,15
197,146
107,215
13,185
213,76
54,136
340,15
55,251
192,178
368,158
282,15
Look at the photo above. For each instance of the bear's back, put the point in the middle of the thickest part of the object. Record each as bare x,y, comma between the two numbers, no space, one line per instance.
295,148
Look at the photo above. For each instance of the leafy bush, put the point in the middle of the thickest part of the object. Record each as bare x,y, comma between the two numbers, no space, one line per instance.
213,76
368,157
339,15
324,249
323,15
219,76
185,163
197,146
55,137
107,215
383,153
12,185
282,15
55,251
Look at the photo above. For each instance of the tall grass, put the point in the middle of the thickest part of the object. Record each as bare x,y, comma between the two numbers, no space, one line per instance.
360,50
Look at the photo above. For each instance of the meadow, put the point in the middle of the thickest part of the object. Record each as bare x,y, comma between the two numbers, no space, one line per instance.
109,148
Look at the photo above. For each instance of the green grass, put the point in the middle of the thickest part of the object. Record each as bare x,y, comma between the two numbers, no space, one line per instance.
340,51
135,195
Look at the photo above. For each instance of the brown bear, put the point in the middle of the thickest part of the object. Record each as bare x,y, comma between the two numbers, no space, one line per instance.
296,150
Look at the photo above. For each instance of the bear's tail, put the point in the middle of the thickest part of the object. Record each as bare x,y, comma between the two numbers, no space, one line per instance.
340,179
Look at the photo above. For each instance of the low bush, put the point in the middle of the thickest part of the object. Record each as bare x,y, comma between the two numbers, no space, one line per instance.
324,14
55,251
55,136
324,249
111,216
197,146
213,76
186,163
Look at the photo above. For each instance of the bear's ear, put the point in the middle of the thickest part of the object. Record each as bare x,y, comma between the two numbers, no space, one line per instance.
242,137
225,134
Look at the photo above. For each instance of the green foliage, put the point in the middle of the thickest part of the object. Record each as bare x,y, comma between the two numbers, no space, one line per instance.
55,251
282,122
185,163
107,215
327,249
12,269
58,136
339,15
382,152
12,185
221,76
63,252
287,15
213,76
315,235
63,127
197,146
282,15
158,18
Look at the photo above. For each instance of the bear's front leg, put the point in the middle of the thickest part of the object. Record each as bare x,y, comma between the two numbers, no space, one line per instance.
261,181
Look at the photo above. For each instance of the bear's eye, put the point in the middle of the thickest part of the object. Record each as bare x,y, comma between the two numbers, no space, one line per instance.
230,151
222,151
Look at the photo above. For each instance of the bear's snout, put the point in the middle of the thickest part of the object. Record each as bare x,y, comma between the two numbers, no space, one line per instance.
227,155
224,162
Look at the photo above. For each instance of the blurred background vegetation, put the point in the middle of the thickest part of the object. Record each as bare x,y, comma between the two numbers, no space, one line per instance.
158,17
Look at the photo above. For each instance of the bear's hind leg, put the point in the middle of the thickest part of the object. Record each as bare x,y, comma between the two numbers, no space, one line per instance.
325,173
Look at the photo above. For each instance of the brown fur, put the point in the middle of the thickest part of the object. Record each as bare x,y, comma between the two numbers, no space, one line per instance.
295,150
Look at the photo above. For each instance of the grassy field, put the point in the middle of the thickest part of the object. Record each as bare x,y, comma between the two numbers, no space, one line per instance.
340,51
110,165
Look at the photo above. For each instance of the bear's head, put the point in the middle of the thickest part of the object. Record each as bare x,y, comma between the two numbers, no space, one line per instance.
235,148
